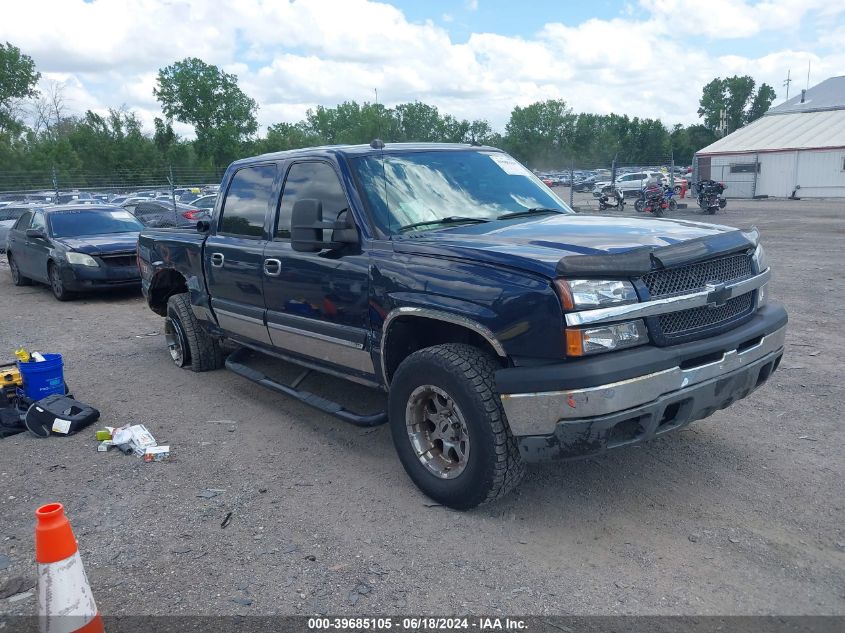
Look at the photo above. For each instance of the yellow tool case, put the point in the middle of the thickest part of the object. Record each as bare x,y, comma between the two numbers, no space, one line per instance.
10,378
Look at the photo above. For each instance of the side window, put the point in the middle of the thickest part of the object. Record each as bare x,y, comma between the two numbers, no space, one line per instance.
310,180
246,201
23,222
38,221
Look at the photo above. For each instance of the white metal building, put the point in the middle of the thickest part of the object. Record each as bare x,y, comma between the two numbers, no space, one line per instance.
798,146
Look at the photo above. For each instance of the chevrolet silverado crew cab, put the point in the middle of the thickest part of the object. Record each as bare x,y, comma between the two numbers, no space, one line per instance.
503,327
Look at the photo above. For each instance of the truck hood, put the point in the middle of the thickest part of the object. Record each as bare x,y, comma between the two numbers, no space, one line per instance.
542,245
101,244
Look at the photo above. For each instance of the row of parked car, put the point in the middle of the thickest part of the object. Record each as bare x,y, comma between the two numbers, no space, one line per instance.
628,180
152,208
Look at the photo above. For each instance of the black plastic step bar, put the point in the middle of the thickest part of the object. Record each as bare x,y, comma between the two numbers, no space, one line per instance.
234,363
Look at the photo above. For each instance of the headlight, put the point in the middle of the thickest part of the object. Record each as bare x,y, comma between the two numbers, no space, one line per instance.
606,338
585,294
759,258
81,259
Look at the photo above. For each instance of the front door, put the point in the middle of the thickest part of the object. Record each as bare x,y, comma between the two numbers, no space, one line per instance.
37,249
317,302
233,256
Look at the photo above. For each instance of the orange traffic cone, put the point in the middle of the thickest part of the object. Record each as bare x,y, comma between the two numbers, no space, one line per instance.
65,602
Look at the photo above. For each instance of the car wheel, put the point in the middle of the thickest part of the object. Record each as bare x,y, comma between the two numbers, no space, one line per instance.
189,345
17,278
678,189
56,283
449,428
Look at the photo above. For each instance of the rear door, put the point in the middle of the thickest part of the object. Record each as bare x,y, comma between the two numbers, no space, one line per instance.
317,302
17,241
234,254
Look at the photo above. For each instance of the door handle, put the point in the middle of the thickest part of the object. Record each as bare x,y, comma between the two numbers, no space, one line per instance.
272,267
217,260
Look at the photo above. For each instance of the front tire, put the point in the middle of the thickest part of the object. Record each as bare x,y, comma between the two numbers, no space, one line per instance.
17,278
639,205
449,427
189,345
56,283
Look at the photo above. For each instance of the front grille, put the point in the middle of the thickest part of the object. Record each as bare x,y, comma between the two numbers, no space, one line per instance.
688,322
120,259
684,279
684,325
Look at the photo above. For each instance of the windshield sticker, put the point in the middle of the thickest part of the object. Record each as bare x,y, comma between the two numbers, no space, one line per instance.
508,164
120,215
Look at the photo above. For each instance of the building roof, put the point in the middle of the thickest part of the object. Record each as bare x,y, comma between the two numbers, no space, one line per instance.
828,95
818,123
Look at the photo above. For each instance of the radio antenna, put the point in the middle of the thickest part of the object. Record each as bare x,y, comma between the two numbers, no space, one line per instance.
378,115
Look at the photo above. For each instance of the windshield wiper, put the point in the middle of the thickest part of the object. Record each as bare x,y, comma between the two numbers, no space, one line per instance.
531,211
452,219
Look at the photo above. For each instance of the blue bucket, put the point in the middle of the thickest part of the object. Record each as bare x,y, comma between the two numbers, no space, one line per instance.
43,379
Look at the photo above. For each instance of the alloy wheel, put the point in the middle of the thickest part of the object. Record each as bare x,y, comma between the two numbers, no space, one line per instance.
438,432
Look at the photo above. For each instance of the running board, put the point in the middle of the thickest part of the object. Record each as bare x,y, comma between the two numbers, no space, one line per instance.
234,364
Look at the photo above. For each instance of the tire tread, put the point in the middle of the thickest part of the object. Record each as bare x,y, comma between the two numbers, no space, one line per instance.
478,369
206,354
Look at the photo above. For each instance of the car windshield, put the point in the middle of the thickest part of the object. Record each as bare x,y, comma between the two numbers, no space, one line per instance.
429,187
93,222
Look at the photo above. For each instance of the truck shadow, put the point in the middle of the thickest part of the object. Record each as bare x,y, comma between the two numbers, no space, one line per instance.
683,466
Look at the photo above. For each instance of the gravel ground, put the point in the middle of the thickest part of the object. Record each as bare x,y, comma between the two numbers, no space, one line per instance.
739,514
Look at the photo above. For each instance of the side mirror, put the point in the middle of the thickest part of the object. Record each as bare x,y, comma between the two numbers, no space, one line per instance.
39,233
203,226
307,228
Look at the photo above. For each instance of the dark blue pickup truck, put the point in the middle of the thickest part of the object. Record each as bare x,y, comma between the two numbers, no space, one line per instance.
504,328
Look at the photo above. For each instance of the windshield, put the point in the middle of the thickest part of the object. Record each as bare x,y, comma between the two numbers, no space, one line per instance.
413,188
95,222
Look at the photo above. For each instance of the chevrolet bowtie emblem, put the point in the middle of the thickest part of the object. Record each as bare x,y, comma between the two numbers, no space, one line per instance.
717,295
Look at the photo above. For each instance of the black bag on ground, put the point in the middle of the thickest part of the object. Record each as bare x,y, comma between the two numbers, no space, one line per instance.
60,415
11,422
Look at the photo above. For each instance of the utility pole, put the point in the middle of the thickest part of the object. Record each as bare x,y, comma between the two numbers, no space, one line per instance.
56,184
786,83
172,192
723,121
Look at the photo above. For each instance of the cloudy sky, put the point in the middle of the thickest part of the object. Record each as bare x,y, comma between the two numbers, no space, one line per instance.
471,58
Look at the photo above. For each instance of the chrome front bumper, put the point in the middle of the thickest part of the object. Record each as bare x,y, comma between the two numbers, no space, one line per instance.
531,414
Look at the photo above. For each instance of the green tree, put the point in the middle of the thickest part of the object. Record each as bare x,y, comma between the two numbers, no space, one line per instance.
761,103
17,81
284,136
736,96
201,94
541,133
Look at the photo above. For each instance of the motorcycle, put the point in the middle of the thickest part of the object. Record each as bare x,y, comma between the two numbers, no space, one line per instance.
710,197
656,199
612,199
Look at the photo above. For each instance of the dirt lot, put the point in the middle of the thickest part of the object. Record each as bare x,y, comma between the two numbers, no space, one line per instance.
739,514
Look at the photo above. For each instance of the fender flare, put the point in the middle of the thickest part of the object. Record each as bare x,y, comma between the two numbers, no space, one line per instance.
437,315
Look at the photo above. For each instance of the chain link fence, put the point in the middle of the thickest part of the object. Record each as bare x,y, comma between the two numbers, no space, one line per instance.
19,185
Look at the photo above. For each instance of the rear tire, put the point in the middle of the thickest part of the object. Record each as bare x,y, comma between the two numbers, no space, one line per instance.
17,278
449,428
190,346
